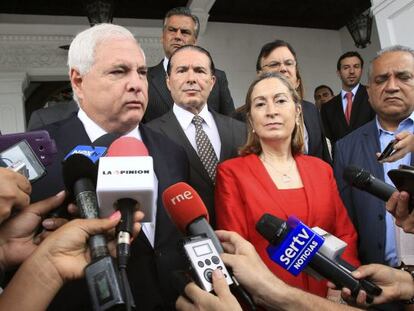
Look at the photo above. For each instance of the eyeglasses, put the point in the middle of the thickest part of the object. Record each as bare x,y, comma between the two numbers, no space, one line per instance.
289,63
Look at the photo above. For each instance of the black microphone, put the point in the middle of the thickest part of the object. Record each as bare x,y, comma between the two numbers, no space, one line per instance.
363,180
102,276
294,246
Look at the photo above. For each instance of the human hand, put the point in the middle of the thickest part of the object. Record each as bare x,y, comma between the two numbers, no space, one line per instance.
398,206
66,250
395,284
197,299
17,234
248,267
404,145
14,193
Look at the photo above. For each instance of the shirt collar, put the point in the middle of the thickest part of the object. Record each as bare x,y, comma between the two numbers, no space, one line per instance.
354,90
94,131
185,117
403,124
165,63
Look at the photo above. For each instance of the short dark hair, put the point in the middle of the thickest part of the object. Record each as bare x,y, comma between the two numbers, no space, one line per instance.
183,11
347,55
271,46
195,48
323,86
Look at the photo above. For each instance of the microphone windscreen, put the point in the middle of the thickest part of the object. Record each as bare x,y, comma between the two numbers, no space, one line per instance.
127,147
78,166
356,176
183,204
271,228
106,140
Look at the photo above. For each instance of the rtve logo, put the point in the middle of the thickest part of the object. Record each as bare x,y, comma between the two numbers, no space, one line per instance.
186,195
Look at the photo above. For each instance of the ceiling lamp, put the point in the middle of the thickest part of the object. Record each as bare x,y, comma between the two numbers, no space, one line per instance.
99,11
360,29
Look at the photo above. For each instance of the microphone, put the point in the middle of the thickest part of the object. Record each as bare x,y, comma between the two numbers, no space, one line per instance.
294,246
363,180
127,171
79,175
190,215
126,182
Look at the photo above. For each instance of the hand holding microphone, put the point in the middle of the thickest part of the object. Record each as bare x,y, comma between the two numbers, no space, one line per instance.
294,246
126,182
63,256
189,213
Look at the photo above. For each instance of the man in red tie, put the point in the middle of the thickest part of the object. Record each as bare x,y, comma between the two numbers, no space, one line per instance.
350,109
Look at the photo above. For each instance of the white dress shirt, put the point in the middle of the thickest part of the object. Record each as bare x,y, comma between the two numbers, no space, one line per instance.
185,117
343,96
94,131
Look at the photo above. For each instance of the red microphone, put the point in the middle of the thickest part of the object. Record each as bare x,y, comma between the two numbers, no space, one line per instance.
188,212
127,146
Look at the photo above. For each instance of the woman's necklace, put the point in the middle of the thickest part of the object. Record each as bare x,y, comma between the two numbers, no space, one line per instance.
285,176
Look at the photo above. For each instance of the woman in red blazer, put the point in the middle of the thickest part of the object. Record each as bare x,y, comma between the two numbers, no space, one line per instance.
273,176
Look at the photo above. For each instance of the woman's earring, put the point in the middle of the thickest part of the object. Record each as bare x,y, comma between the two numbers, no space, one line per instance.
253,131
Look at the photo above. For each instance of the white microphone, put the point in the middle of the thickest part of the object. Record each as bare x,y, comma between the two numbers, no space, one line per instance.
126,172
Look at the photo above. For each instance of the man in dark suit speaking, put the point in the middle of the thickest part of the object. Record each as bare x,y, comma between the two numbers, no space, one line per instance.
181,27
349,109
190,80
108,75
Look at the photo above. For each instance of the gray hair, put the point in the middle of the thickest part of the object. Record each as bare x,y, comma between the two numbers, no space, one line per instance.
183,11
393,48
81,55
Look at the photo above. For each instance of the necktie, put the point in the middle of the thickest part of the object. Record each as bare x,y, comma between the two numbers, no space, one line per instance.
205,148
348,107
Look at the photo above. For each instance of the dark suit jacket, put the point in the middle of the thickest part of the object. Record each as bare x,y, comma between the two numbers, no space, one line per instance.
317,145
333,117
149,268
44,116
232,135
160,100
366,211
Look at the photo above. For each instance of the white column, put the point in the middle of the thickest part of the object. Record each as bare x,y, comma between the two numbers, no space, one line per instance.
12,112
395,21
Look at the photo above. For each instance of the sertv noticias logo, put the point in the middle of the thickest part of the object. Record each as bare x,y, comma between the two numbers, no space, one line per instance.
298,248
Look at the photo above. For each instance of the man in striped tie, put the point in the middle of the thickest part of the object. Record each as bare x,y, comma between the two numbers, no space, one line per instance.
207,136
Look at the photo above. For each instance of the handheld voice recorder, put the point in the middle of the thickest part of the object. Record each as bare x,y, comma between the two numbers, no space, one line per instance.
204,259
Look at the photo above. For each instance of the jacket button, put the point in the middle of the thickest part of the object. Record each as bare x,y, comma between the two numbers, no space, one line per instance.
379,246
380,217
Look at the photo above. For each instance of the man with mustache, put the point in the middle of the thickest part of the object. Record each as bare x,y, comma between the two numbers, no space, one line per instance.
181,27
349,109
190,78
391,93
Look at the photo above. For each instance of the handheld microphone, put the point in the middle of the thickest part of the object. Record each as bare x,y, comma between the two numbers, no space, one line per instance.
127,172
79,175
294,246
126,182
190,215
363,180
